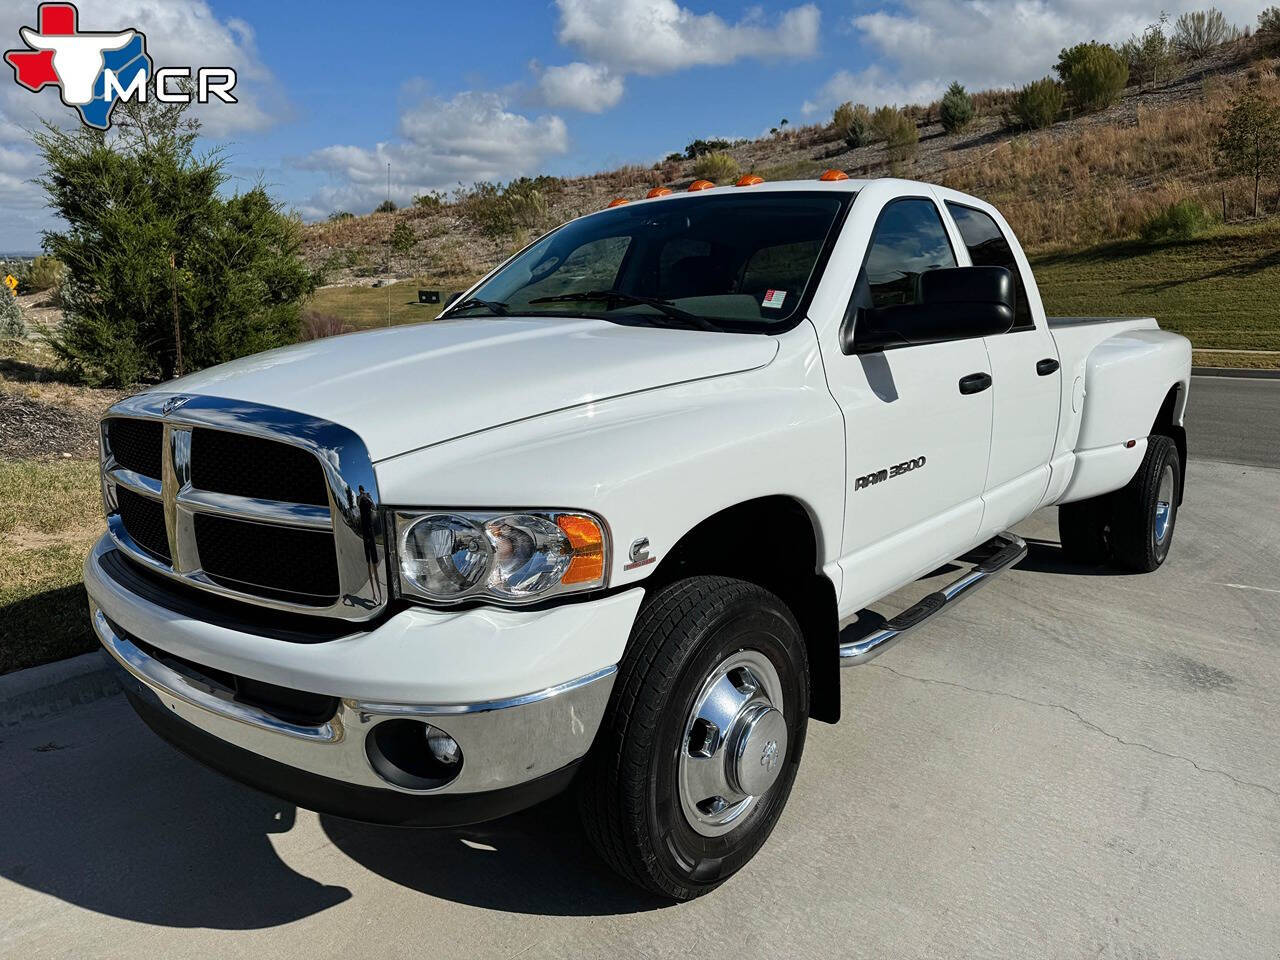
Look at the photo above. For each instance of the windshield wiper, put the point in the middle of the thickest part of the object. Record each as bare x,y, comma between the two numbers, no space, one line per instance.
665,307
493,306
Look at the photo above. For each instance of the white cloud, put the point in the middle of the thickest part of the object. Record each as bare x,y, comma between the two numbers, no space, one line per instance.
472,136
659,36
179,33
871,86
920,46
591,88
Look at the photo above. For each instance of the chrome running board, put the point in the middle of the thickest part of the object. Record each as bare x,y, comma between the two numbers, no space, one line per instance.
1006,550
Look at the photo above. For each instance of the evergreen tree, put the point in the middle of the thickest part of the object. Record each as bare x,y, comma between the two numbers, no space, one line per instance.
160,265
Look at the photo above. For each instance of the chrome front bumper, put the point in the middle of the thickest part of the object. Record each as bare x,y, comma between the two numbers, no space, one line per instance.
505,743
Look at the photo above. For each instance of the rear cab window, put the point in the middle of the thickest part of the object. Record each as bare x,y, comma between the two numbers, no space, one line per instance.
988,247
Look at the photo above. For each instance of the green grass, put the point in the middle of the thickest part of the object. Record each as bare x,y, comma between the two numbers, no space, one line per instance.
1221,289
49,518
362,308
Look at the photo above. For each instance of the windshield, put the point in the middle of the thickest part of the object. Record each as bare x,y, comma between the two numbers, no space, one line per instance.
728,261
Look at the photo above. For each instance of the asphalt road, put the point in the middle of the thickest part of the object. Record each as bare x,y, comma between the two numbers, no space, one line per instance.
1234,419
1076,763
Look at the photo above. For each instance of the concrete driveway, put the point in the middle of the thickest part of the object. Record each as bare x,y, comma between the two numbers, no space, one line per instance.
1076,763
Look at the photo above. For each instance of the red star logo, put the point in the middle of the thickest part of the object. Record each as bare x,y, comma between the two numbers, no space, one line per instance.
34,68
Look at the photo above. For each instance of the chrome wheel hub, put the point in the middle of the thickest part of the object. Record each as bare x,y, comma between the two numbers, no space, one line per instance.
735,743
1164,504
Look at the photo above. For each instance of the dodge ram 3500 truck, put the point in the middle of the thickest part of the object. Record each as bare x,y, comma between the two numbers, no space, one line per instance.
616,517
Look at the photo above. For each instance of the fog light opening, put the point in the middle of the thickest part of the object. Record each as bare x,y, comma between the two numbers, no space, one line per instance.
413,754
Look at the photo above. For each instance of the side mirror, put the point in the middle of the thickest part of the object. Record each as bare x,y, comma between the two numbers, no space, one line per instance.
957,303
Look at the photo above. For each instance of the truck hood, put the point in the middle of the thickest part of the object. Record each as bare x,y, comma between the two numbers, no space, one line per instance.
409,387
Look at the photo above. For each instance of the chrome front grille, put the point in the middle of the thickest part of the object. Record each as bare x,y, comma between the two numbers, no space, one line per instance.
257,503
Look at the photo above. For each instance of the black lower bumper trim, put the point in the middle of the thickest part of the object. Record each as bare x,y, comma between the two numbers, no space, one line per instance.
351,801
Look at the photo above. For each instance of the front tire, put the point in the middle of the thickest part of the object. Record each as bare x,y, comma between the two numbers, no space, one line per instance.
697,754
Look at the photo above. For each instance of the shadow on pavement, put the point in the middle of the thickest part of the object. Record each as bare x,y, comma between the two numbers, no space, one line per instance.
1046,556
535,862
113,820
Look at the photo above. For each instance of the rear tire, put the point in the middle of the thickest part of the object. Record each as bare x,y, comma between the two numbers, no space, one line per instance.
1147,509
697,753
1084,528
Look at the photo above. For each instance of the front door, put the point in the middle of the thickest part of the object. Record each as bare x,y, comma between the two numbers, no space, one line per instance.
917,421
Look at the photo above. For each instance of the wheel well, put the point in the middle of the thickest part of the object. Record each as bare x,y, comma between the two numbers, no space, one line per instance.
1164,426
773,542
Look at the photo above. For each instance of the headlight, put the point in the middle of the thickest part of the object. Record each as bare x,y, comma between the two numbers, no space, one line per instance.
515,557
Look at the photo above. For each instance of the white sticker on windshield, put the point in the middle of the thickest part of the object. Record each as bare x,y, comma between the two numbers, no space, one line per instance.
773,299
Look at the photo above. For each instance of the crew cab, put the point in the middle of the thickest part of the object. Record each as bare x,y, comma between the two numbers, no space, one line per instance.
615,520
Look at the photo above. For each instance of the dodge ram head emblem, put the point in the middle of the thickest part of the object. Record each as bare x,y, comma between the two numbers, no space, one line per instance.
172,404
769,756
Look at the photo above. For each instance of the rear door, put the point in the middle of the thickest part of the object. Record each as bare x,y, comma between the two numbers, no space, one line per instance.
916,445
1024,369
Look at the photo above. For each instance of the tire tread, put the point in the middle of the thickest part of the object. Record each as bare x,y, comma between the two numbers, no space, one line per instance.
611,791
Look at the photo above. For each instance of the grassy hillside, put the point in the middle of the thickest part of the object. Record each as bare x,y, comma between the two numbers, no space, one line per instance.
1222,290
361,308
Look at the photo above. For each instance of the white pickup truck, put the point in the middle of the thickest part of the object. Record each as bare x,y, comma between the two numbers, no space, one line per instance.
615,519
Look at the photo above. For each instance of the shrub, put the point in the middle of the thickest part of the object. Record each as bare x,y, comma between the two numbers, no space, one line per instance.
43,273
956,109
902,138
698,147
1269,30
146,220
852,123
1093,73
1249,145
12,326
1038,104
403,239
883,122
1197,32
386,206
716,167
316,325
432,200
673,157
1178,221
1149,56
339,215
500,212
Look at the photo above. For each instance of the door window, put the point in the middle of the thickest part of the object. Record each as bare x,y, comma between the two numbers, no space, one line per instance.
909,240
988,247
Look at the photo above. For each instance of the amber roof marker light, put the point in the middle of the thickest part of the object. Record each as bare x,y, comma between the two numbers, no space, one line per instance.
749,180
658,192
700,185
617,202
832,175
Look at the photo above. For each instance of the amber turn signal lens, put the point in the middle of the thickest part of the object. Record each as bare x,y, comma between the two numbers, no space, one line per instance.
617,202
750,180
700,185
587,540
658,192
831,175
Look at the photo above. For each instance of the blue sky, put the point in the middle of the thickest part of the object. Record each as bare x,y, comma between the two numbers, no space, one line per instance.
449,92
